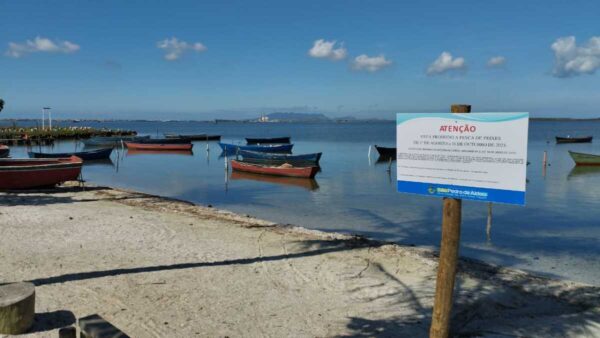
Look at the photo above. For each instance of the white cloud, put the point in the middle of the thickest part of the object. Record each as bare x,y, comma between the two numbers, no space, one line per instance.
572,60
370,63
40,45
174,48
444,63
496,61
327,49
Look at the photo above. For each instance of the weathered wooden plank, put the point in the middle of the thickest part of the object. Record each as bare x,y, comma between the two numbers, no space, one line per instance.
94,326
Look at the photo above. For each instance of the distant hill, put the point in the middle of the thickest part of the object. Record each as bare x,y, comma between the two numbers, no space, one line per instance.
297,117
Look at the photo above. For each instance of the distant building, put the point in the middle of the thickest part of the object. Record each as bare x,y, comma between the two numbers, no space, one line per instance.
263,118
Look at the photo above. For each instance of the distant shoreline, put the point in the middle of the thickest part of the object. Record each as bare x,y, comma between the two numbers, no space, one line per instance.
332,121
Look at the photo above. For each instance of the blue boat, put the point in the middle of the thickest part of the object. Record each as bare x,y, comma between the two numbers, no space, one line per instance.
279,159
99,154
234,149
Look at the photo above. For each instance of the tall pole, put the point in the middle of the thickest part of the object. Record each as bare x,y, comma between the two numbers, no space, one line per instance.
444,288
44,110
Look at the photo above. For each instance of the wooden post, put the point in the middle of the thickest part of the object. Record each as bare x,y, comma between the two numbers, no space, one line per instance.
17,307
444,288
488,228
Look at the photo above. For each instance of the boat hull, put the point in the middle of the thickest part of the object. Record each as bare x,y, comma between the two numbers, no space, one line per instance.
91,155
199,137
164,141
16,174
586,139
153,146
386,152
111,141
305,172
272,140
233,149
4,151
582,159
302,160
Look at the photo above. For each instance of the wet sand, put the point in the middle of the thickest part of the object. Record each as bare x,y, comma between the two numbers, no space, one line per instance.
156,267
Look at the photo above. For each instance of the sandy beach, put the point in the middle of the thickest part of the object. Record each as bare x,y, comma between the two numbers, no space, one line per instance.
156,267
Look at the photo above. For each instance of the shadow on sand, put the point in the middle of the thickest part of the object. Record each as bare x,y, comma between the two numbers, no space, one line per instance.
35,197
47,321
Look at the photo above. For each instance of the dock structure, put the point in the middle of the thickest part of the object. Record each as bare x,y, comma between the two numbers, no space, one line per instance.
35,136
27,142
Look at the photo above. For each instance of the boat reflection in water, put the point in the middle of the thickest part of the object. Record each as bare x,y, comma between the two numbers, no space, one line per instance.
103,162
159,152
384,160
587,171
306,183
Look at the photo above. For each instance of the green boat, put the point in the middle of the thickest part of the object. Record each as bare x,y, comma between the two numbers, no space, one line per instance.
585,159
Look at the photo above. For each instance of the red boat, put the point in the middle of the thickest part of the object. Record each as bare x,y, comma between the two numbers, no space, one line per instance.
158,146
282,170
34,172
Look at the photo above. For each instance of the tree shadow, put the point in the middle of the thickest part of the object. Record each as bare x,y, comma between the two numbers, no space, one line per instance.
488,303
38,197
47,321
324,247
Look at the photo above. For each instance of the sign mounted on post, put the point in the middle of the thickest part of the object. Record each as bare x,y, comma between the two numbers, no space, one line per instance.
476,156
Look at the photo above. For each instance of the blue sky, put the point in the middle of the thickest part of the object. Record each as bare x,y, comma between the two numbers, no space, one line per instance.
102,58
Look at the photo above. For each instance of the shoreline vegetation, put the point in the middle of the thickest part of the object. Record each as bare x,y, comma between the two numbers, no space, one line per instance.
58,133
156,266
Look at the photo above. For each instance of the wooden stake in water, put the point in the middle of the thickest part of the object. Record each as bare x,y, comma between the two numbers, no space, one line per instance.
444,287
544,163
488,228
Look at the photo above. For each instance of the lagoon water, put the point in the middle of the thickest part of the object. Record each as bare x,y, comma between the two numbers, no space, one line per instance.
556,234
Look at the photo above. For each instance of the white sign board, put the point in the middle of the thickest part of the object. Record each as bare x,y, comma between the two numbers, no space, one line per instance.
477,156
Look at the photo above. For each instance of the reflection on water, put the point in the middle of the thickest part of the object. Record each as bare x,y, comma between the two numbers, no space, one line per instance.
306,183
102,162
584,171
159,152
556,233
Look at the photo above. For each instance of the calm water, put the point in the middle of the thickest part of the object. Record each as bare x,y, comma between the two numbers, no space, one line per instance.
557,233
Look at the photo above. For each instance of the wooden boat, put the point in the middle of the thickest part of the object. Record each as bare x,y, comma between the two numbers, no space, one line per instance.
161,152
302,160
4,151
84,155
111,141
569,139
35,173
283,170
585,159
158,146
195,137
306,183
386,152
272,140
232,148
164,141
